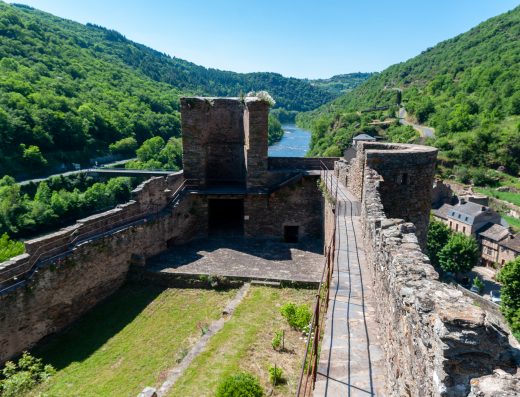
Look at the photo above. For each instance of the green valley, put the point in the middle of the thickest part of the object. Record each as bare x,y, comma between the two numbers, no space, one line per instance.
69,91
467,88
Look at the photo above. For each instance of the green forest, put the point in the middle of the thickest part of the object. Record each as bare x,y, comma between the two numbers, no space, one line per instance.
69,92
467,88
341,83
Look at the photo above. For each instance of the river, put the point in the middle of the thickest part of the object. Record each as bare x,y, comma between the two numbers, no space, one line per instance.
295,142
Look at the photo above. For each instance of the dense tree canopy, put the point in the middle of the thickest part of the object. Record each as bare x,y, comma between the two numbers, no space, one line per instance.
70,92
24,215
509,276
459,254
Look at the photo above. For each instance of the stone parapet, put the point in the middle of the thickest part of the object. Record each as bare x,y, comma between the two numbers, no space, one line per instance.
301,163
436,341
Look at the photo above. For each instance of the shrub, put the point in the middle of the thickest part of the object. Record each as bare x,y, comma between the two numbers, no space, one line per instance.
483,177
277,341
262,95
10,248
298,317
478,283
240,385
19,378
275,375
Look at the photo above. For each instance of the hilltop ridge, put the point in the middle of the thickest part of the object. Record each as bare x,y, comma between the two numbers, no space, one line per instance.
68,91
467,88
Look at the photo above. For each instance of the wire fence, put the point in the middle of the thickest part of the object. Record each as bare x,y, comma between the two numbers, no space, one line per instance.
321,304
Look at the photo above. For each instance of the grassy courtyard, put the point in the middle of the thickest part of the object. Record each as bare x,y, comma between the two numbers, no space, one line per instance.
244,344
129,341
132,339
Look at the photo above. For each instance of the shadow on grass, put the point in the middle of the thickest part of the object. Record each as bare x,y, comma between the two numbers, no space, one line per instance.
96,327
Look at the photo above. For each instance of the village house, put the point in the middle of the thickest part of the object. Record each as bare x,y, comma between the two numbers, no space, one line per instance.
467,217
490,239
509,249
498,245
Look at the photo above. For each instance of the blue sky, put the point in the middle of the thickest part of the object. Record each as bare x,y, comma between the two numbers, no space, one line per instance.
303,38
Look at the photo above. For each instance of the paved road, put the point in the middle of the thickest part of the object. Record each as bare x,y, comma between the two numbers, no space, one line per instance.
351,362
426,132
103,170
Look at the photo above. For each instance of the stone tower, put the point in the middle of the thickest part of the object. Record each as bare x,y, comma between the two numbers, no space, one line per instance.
406,180
225,141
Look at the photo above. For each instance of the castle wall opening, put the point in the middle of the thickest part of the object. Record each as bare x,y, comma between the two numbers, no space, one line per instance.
226,217
291,234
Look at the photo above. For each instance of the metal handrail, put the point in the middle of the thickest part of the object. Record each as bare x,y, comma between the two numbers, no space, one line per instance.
310,362
37,255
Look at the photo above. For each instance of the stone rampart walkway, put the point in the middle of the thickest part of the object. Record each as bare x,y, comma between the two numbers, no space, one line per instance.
351,360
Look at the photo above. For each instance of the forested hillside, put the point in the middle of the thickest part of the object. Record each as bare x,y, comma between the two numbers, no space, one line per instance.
68,91
467,88
341,83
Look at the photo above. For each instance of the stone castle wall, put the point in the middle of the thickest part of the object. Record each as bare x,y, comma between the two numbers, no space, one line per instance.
65,288
301,163
299,204
436,341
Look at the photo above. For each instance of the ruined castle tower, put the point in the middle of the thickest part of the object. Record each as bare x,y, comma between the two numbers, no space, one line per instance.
405,187
225,140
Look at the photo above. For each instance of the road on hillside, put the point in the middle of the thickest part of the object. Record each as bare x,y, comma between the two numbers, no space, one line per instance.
426,132
74,172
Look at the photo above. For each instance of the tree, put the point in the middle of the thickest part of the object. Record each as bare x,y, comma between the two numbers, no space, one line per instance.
33,156
515,103
459,255
150,149
509,276
438,236
275,130
125,146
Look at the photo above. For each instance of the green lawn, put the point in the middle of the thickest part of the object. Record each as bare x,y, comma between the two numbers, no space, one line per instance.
510,197
513,222
127,342
244,344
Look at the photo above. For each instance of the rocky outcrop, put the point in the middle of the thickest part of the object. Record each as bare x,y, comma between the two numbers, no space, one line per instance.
500,384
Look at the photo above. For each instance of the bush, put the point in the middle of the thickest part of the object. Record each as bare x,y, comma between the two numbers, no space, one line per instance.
478,283
298,317
275,375
240,385
10,248
277,341
483,177
19,378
